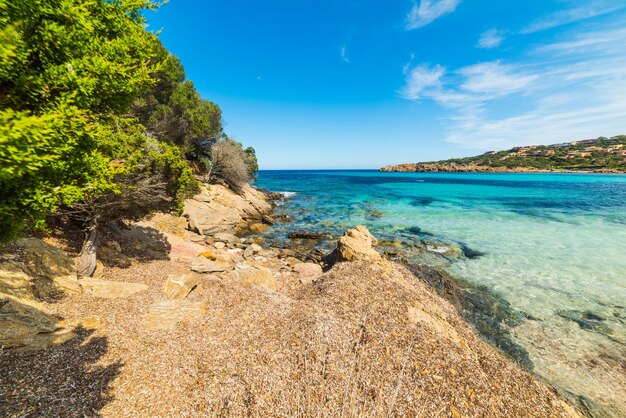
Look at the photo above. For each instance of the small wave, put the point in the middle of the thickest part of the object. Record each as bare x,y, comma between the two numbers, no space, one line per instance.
287,195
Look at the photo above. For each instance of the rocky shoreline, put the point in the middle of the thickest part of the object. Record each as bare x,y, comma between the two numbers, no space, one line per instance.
471,168
237,328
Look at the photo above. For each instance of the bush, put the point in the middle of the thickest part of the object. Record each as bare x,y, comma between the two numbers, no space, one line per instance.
230,163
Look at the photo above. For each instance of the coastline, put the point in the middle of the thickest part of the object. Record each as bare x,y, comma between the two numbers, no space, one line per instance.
297,319
451,168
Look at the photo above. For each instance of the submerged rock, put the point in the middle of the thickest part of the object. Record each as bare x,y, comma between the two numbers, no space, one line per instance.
309,235
258,228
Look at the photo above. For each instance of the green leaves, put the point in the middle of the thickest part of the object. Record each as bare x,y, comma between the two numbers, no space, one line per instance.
68,67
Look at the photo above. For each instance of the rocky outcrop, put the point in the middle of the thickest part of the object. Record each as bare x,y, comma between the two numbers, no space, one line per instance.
355,245
218,209
51,272
23,322
36,272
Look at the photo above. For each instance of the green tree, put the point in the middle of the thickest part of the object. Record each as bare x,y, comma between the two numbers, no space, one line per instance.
65,65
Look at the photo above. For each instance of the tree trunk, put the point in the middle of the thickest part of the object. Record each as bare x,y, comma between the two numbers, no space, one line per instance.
87,258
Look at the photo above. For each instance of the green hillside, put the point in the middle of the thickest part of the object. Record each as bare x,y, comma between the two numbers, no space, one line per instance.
586,155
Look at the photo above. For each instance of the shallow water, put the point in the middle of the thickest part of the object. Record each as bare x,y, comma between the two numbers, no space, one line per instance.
552,245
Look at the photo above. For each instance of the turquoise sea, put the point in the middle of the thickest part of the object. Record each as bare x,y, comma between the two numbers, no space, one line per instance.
552,246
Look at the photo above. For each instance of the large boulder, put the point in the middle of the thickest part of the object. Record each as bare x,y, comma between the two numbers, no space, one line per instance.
22,322
207,218
219,209
356,244
52,271
15,280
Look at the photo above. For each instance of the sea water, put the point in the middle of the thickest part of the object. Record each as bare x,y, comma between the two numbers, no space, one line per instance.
552,245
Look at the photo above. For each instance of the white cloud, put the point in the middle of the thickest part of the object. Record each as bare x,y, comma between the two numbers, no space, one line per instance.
428,11
491,39
421,79
563,17
565,90
494,79
344,54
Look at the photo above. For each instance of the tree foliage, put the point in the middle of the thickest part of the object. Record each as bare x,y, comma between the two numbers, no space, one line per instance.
65,65
97,120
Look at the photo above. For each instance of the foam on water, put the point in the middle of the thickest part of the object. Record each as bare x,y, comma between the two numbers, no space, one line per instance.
552,245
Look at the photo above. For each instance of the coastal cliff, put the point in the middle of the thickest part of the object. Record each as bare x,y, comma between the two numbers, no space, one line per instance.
185,317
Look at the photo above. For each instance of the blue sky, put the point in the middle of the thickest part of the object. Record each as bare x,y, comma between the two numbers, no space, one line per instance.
362,84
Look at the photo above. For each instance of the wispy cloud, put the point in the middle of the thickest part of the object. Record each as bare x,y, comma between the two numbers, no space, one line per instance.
491,38
564,90
344,54
428,11
563,17
421,79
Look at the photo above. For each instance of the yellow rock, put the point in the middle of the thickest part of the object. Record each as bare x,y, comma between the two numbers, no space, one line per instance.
109,289
178,287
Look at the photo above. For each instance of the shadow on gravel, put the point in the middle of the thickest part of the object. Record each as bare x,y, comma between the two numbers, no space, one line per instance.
62,381
121,245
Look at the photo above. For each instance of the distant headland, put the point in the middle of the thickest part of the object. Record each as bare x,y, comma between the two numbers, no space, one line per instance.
600,155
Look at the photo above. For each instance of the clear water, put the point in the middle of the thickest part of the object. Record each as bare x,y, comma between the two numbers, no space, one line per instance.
554,246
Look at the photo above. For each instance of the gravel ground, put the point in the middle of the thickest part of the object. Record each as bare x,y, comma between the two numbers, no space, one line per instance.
364,340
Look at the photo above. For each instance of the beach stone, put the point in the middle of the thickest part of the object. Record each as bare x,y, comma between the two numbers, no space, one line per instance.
252,250
178,287
53,272
219,245
309,272
166,314
258,228
356,244
108,289
226,238
209,266
248,275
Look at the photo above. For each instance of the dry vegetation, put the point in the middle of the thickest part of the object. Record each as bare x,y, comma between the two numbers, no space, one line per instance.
345,346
